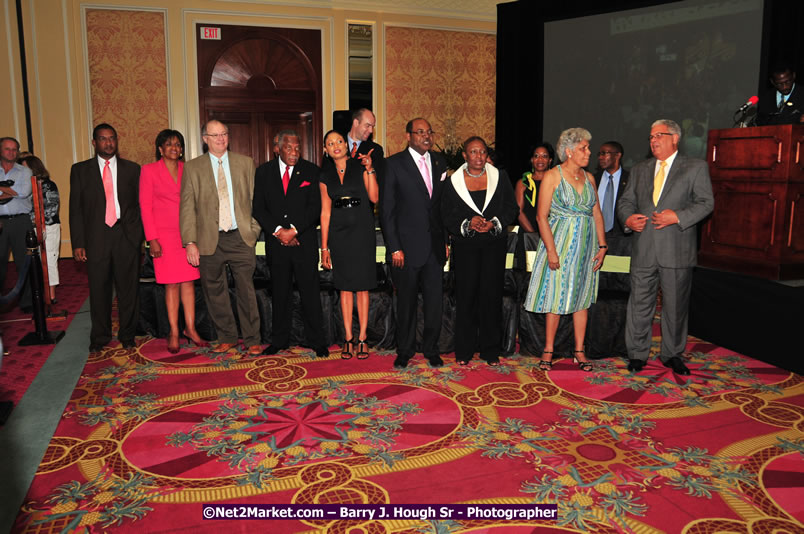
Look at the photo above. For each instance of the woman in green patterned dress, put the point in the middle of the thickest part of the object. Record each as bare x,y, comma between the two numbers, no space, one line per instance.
572,248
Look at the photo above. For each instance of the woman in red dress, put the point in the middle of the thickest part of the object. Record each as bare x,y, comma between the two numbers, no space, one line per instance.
160,187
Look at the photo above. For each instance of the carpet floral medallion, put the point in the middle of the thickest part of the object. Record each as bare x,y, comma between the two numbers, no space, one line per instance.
149,437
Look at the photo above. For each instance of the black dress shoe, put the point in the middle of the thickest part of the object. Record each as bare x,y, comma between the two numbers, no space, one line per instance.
128,343
677,366
435,362
273,349
322,352
95,347
636,366
400,362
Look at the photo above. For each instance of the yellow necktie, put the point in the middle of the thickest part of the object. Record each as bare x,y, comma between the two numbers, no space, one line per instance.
224,213
658,182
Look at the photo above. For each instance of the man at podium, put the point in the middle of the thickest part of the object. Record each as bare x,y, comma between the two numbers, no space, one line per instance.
783,103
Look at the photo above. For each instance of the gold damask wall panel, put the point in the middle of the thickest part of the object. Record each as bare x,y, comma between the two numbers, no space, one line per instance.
128,77
447,77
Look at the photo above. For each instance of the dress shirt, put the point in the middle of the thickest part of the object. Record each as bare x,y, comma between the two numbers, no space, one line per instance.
669,161
282,167
22,203
417,157
227,172
780,96
113,168
604,183
352,142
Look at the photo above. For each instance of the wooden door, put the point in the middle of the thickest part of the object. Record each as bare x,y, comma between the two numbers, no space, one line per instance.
260,81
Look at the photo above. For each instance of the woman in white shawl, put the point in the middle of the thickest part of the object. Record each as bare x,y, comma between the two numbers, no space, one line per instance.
477,205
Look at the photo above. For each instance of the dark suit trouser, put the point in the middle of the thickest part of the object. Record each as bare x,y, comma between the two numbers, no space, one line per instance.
305,269
13,236
479,278
118,266
676,285
242,261
407,281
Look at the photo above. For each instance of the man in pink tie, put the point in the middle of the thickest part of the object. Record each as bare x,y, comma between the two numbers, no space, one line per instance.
106,233
415,240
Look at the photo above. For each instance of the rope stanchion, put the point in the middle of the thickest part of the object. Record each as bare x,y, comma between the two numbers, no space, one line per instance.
40,336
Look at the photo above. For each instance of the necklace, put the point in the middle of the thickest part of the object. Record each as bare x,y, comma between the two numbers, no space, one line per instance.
474,175
342,170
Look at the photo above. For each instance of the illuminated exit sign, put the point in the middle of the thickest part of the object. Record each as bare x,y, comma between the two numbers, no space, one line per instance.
210,33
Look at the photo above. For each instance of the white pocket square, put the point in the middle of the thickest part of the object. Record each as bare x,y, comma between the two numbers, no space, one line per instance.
443,176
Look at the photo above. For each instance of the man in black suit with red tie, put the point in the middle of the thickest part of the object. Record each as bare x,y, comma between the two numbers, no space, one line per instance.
287,204
414,238
106,233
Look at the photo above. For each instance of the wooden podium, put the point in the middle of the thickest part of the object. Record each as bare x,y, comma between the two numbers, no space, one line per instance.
757,227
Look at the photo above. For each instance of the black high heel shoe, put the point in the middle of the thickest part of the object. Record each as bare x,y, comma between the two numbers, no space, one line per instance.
362,352
346,349
585,366
546,365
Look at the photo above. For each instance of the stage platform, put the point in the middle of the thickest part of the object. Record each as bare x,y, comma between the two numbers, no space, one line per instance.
753,316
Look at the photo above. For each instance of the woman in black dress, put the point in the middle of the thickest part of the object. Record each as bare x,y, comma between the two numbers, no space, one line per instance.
477,206
348,246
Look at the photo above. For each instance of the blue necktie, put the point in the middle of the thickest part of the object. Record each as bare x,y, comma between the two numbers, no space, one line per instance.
608,205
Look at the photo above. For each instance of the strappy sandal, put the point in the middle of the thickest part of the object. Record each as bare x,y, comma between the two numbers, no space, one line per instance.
546,365
346,349
585,366
362,353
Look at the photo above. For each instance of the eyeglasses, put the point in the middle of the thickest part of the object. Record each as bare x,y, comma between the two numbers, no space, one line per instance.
541,156
215,136
422,132
606,153
658,135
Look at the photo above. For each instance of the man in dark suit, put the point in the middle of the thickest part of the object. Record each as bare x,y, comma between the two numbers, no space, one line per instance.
287,204
106,233
784,102
612,179
414,237
217,230
665,199
358,138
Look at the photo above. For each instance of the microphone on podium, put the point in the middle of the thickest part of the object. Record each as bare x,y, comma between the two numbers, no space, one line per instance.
751,102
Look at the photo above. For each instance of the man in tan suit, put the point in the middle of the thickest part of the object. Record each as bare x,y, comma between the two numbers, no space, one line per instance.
216,229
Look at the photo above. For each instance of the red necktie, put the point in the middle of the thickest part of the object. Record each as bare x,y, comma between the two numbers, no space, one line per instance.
354,149
108,188
286,179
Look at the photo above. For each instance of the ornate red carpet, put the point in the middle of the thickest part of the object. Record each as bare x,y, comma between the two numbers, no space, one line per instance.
22,364
148,437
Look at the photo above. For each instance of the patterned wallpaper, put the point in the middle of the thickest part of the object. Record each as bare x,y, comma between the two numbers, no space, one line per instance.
447,77
128,77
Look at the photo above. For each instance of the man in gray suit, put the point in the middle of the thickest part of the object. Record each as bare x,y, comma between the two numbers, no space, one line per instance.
217,229
675,193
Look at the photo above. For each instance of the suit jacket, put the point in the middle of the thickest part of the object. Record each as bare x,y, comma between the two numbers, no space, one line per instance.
88,204
300,207
767,110
457,205
618,226
688,192
198,208
159,200
411,219
377,157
